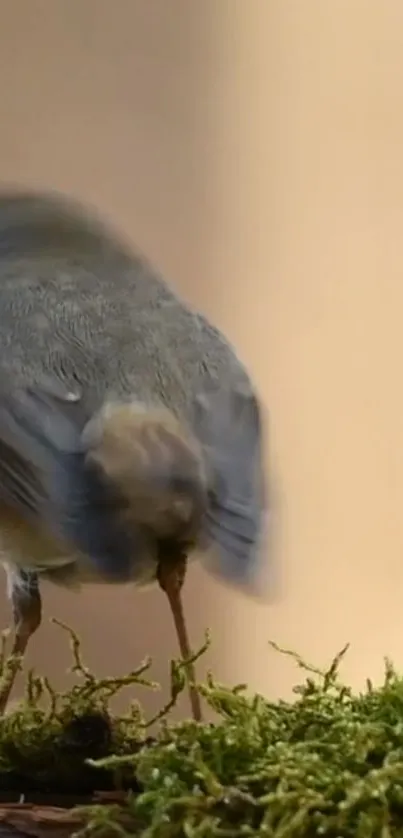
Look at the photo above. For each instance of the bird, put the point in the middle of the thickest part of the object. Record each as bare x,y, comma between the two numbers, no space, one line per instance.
131,434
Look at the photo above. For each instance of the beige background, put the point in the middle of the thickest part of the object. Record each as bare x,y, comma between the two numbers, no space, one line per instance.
254,149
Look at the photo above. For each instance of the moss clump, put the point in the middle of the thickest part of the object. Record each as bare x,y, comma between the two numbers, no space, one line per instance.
46,742
330,763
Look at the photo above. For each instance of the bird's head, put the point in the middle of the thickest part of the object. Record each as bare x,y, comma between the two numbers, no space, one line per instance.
154,465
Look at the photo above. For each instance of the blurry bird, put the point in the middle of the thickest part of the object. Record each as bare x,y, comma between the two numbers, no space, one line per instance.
130,433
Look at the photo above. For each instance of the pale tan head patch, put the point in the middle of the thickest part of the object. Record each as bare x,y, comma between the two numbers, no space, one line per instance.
155,464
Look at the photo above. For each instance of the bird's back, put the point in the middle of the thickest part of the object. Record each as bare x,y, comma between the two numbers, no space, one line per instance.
77,304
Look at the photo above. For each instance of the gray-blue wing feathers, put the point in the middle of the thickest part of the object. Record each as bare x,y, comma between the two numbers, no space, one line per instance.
228,423
45,478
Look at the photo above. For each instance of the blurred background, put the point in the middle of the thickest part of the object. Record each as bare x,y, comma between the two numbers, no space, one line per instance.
253,149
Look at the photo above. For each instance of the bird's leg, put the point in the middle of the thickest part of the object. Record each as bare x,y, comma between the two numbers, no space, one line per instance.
171,576
27,611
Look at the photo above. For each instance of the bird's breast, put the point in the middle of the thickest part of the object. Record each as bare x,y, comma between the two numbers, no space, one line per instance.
78,572
29,547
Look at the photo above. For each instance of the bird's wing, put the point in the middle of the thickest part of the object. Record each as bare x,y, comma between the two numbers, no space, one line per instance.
228,423
36,439
45,477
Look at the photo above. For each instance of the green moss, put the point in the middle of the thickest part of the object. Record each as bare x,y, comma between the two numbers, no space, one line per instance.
330,763
46,741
